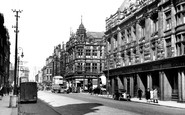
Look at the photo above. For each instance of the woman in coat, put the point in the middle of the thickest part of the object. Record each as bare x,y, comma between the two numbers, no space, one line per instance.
155,95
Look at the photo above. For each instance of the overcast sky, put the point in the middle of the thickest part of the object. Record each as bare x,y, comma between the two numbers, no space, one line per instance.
44,24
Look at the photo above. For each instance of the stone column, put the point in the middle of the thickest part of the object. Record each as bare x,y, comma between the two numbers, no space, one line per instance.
140,83
181,86
125,83
165,87
149,81
112,85
120,84
161,83
132,86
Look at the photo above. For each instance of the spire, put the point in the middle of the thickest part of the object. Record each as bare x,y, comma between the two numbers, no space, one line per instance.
81,19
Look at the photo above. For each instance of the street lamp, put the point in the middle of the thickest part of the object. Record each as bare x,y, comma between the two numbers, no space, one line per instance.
18,60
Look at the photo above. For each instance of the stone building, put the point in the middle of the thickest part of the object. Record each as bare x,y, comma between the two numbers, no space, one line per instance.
47,71
84,58
4,52
145,42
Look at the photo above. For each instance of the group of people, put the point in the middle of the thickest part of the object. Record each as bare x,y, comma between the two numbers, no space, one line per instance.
151,95
4,90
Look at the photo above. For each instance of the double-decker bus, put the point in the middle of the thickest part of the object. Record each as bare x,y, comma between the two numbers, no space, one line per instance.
58,84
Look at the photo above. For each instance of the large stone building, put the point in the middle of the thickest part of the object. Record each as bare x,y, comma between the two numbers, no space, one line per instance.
47,71
146,46
84,58
4,52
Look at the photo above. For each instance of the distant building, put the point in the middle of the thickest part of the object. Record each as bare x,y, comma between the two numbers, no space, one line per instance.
145,42
47,71
84,58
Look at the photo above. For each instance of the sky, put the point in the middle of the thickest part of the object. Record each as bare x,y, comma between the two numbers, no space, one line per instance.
44,24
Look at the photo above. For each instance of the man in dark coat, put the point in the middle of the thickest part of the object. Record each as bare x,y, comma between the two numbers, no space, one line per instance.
139,93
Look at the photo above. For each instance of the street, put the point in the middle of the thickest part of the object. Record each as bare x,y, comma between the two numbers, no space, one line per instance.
86,104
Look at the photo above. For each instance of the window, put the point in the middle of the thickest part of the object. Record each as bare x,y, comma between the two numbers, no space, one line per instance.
88,67
168,20
79,67
94,67
123,40
94,53
168,47
88,52
80,52
129,35
180,45
115,41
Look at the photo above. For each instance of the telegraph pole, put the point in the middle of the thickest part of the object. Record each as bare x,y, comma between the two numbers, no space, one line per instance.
16,44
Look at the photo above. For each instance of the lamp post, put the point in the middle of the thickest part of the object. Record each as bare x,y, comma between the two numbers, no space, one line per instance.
22,55
16,44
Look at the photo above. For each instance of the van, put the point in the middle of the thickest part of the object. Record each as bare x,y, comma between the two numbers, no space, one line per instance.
28,92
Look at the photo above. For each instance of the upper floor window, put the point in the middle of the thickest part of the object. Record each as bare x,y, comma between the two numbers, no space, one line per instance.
129,35
88,67
94,53
80,52
180,16
94,67
88,52
79,66
168,20
142,28
168,47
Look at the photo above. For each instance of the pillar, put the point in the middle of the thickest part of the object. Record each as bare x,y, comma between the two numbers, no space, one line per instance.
112,86
120,84
181,86
140,83
149,81
125,83
132,86
165,87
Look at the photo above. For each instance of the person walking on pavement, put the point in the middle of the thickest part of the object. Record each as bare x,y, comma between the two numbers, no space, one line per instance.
151,95
1,92
139,93
147,94
155,95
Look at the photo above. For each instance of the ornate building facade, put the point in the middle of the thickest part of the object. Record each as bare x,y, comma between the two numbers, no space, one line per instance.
145,42
84,58
4,53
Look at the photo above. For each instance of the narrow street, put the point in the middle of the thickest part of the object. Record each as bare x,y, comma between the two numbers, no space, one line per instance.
85,104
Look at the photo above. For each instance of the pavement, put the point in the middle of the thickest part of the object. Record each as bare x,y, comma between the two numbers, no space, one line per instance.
4,106
173,104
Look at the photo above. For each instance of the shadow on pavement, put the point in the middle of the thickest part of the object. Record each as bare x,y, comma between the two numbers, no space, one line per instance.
78,109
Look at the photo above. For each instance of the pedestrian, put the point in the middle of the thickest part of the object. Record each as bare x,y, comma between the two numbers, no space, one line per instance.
151,95
139,93
147,94
155,95
1,92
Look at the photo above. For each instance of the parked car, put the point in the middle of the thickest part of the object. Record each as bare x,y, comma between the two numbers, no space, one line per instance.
121,94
